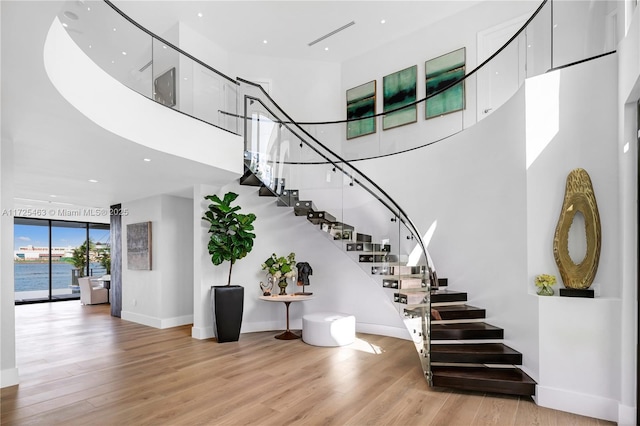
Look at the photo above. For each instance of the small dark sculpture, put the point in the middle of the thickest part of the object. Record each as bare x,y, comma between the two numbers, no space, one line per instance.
304,270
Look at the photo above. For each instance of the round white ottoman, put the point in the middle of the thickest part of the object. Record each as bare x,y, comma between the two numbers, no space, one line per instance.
328,329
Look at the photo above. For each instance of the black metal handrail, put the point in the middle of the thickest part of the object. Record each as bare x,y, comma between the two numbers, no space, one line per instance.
389,203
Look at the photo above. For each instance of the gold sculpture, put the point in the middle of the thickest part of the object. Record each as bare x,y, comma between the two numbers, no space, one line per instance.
578,197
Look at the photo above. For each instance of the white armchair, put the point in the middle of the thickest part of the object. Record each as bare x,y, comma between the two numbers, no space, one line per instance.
90,294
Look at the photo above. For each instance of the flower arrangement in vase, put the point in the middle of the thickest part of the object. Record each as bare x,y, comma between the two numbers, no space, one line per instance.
281,268
544,282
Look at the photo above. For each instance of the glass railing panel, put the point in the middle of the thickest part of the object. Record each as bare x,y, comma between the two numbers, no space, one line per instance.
414,295
500,78
151,66
341,137
112,42
538,42
193,88
168,72
582,29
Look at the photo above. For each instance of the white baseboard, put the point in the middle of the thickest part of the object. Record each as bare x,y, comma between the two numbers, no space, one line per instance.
156,322
252,327
176,321
9,377
381,330
626,415
578,403
202,333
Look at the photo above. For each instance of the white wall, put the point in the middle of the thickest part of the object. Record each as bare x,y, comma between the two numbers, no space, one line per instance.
576,336
415,49
8,367
202,92
338,283
163,296
306,90
471,189
495,223
628,95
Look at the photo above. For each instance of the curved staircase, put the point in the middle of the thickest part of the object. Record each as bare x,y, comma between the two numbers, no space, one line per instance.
455,359
457,348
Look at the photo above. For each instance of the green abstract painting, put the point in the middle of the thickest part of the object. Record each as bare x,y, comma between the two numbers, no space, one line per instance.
361,103
399,89
441,72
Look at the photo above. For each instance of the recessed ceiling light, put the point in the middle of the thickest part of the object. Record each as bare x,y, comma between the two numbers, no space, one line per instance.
199,14
113,62
384,21
147,159
89,9
185,78
124,53
114,29
264,41
53,196
326,48
90,46
64,24
93,181
164,47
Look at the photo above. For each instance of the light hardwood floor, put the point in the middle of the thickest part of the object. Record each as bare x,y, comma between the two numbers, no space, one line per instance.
80,366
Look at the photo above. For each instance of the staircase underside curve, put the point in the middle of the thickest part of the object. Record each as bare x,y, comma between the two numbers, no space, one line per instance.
121,111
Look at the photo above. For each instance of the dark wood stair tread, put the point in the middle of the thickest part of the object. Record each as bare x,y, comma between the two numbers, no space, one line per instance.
475,353
512,381
463,331
443,295
459,312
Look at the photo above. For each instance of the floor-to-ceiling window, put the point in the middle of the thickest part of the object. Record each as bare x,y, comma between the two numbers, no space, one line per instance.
50,255
31,258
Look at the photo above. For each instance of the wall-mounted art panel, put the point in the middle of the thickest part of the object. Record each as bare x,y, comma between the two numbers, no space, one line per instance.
399,90
440,72
164,88
361,103
139,246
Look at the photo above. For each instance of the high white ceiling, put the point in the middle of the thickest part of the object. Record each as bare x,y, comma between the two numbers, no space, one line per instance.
289,26
57,150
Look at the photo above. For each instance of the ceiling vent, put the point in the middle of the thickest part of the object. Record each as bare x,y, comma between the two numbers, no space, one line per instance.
344,27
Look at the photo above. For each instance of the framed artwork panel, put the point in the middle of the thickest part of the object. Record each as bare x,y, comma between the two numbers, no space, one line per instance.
399,89
139,246
164,88
361,103
439,73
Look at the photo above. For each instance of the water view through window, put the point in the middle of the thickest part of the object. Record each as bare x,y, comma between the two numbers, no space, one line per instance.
50,255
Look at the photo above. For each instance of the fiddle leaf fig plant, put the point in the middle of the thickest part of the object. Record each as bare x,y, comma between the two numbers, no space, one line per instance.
231,232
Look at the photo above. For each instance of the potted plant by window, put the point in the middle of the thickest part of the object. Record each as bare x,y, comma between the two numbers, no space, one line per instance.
79,261
231,238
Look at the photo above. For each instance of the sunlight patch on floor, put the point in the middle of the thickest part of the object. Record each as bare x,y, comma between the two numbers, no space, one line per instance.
364,346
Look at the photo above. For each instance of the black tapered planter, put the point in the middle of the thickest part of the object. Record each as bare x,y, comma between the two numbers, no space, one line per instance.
227,303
